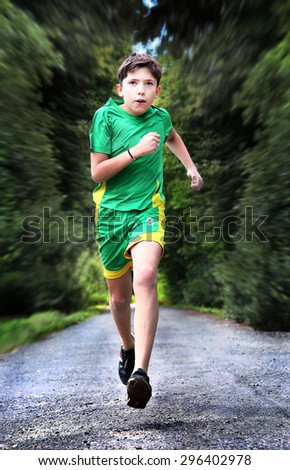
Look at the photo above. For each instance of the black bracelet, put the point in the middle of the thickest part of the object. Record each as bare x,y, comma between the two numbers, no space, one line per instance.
133,158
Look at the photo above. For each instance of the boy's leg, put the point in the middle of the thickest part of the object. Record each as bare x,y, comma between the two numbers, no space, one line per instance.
146,256
120,299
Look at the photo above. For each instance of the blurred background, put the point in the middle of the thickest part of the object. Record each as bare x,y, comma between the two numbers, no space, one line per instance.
226,85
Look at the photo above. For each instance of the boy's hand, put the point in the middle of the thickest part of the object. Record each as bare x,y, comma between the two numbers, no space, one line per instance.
196,179
148,144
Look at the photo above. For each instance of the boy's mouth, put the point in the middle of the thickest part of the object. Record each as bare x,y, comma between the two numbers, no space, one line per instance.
140,101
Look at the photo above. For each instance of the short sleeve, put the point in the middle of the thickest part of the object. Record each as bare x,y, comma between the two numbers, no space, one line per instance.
100,134
167,123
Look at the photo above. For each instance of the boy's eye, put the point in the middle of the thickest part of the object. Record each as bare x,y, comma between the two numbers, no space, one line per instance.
149,83
132,82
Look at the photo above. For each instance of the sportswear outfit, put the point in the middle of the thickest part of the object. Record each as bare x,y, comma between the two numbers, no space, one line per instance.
130,205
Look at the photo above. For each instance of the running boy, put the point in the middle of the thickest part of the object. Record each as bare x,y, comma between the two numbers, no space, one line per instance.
126,140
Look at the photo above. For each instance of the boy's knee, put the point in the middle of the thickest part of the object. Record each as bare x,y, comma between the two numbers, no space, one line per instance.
145,277
119,302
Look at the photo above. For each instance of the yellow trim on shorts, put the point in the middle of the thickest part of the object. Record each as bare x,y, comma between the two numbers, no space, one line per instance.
158,236
146,237
116,274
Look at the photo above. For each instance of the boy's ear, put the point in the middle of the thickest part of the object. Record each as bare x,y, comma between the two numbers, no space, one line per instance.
158,91
119,89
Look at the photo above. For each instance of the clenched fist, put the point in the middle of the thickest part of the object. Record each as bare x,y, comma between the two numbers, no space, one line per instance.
196,179
147,145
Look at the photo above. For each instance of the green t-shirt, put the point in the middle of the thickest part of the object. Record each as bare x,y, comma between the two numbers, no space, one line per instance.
114,131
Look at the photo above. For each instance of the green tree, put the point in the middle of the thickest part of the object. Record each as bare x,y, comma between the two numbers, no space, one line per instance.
218,69
58,67
262,294
26,157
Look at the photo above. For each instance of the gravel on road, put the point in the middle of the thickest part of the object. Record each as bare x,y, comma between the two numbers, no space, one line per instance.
216,385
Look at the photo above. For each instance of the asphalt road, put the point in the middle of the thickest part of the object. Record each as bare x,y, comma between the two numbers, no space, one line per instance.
216,385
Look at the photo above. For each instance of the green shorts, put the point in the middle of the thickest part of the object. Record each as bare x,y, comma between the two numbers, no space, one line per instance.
118,231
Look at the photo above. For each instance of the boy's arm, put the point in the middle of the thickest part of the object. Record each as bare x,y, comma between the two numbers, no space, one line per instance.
104,168
176,145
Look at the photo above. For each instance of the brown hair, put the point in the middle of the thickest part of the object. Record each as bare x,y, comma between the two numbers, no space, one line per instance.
138,60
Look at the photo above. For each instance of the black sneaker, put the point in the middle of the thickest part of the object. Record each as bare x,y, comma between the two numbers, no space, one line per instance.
126,364
139,389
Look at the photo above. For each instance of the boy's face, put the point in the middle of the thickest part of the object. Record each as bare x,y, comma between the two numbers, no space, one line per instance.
138,90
